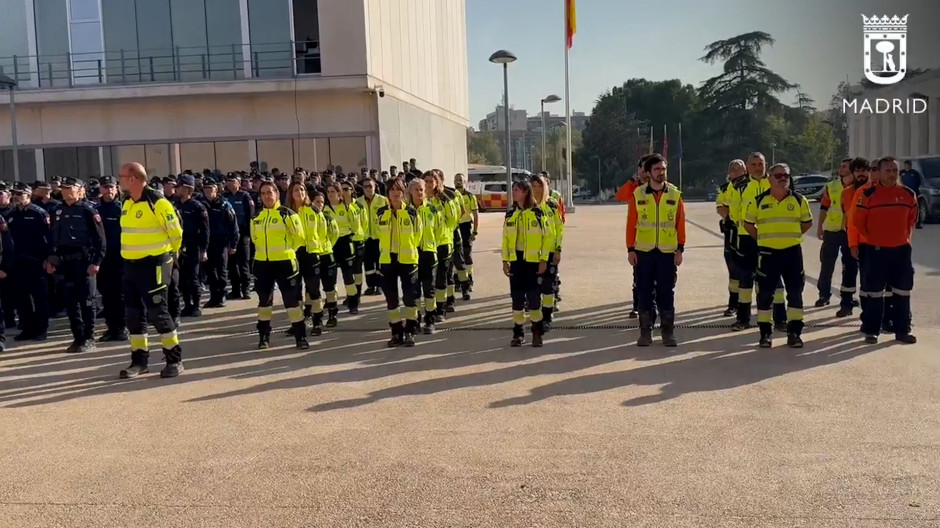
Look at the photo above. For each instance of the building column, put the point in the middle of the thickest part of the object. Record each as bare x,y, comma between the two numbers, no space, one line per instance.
902,125
919,135
933,116
253,151
174,154
246,38
40,165
874,136
887,124
101,164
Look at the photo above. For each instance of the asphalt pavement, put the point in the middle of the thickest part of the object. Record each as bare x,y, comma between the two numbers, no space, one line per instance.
462,430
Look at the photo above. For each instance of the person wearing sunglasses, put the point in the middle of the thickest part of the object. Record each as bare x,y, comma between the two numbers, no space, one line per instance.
747,251
831,231
777,219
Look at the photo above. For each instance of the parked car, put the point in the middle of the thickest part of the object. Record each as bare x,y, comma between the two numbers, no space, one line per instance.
929,199
810,185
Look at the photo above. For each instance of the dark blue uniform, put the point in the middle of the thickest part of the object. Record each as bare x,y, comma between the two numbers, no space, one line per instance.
29,228
55,296
7,297
244,208
195,222
6,254
110,278
223,236
78,240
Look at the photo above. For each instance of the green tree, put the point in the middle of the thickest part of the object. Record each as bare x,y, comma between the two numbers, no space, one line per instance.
483,149
555,147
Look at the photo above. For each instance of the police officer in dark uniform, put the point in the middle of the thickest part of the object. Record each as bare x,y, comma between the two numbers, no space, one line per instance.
110,277
55,188
244,209
7,297
42,196
195,220
78,248
6,254
29,227
223,241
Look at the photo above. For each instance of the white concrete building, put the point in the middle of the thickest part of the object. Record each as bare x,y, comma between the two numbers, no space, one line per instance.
219,83
904,135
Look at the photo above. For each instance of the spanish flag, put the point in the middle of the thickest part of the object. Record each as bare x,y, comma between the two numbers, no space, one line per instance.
571,21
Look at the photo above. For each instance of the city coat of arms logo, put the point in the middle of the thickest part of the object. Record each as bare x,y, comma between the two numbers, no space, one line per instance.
885,45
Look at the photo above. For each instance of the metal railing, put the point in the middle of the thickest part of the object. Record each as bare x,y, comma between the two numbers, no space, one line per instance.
178,64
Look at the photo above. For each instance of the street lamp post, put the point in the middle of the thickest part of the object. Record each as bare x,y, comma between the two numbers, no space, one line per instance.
773,153
7,82
505,57
550,99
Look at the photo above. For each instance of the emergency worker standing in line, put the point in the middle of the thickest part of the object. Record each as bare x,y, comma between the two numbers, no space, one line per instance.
223,242
777,219
78,248
886,216
110,278
194,253
277,233
831,230
728,225
244,208
469,226
151,237
400,231
370,202
655,246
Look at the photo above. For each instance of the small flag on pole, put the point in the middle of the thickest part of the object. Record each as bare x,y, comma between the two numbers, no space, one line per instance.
651,141
571,21
665,142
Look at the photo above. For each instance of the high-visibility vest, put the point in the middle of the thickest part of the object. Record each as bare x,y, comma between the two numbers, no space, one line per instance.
149,226
779,223
656,222
751,191
835,217
277,234
399,234
428,240
536,231
346,218
368,214
448,209
470,205
319,233
551,208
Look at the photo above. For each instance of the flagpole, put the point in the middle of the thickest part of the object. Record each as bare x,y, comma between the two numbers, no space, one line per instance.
569,156
680,155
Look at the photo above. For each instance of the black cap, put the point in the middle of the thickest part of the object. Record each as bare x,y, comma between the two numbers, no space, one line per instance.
169,180
364,170
3,186
21,188
186,180
56,179
106,181
72,182
231,176
42,185
209,181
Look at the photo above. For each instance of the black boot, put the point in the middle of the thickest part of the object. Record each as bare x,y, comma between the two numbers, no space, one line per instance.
743,321
300,335
398,335
317,329
667,328
138,366
537,331
428,323
354,304
331,317
732,304
264,334
646,330
547,315
174,362
449,306
409,338
518,336
766,335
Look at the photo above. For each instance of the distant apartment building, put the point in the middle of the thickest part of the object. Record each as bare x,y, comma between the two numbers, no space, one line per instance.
218,84
525,131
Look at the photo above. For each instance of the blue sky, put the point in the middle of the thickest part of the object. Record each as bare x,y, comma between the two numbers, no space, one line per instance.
819,43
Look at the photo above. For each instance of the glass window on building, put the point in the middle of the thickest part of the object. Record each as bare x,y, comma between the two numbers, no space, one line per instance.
306,36
348,153
270,28
190,39
14,44
87,53
155,41
80,10
232,156
277,153
52,42
305,154
226,54
87,162
27,159
119,20
121,154
197,156
157,159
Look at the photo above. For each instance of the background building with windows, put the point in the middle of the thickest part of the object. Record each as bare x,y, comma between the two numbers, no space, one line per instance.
217,84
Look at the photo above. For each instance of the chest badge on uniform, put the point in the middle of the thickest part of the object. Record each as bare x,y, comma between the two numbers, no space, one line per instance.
406,222
790,207
535,223
139,214
671,216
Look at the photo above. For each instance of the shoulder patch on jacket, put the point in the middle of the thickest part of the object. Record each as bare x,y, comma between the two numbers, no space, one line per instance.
381,210
870,191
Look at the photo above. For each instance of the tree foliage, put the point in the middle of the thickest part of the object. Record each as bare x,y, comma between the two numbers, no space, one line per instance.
483,149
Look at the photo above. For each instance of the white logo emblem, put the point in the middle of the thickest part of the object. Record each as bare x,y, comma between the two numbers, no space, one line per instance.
885,49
